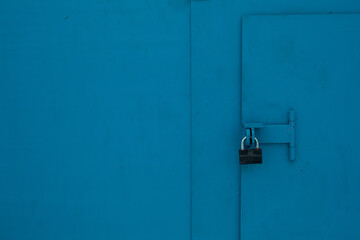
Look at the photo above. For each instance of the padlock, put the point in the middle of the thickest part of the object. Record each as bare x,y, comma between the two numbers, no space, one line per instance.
250,156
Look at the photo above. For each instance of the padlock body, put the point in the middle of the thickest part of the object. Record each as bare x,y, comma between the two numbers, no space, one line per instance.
250,156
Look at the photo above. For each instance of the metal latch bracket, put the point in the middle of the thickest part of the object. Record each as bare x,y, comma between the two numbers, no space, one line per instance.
268,133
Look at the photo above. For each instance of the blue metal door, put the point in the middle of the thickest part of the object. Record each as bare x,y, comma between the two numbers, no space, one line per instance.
122,119
308,63
94,120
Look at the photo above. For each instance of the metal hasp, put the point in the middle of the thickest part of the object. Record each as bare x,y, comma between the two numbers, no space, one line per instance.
273,134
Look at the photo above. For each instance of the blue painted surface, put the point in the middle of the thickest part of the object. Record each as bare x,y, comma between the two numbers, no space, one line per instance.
216,112
94,126
122,120
310,63
273,134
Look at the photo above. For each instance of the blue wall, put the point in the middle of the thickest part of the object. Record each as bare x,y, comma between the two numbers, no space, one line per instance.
216,93
94,120
122,119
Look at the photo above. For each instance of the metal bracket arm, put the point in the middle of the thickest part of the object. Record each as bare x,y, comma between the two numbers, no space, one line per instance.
274,133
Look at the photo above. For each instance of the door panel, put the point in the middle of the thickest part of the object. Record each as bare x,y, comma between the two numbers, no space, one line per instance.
94,126
309,63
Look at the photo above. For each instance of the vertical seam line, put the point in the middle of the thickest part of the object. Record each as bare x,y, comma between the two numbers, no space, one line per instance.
190,120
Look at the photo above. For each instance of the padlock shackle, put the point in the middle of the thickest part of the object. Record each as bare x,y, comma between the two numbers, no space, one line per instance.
244,138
